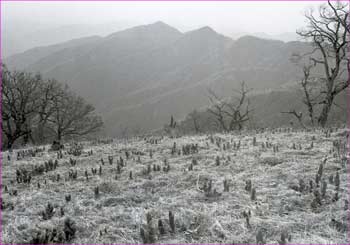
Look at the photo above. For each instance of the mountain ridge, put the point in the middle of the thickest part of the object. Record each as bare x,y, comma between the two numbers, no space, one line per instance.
139,76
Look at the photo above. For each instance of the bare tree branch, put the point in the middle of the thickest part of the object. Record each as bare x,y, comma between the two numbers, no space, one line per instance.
328,32
299,116
231,111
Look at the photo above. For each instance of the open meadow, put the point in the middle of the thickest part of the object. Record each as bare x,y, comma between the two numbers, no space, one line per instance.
268,186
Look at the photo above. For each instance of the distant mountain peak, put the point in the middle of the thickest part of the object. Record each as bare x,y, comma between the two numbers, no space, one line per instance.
250,38
137,76
207,33
204,29
160,25
156,28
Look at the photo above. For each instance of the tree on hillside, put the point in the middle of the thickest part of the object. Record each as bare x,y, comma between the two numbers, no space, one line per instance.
217,109
194,117
329,34
172,122
72,116
32,106
230,114
20,100
238,108
50,91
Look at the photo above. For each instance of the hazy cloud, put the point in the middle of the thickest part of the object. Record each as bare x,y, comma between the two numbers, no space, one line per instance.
269,17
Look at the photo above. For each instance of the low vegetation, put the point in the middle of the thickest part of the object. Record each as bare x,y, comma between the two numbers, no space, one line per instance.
221,188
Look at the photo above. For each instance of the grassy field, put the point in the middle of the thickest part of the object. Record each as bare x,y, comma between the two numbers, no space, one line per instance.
129,196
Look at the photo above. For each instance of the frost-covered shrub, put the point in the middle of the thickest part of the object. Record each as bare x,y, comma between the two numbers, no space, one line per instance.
48,212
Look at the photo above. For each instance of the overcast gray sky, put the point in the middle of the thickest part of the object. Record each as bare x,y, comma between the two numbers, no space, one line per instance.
25,25
228,17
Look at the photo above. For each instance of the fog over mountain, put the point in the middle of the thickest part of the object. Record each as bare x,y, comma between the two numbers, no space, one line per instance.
138,77
285,36
25,25
25,38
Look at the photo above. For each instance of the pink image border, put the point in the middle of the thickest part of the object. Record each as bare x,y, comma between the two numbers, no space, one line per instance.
27,1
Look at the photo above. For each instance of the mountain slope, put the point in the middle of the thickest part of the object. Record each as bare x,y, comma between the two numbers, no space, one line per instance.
24,60
140,76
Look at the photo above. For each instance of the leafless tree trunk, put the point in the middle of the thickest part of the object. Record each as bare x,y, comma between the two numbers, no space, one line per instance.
51,90
217,109
299,116
20,93
72,116
235,111
328,34
194,116
308,101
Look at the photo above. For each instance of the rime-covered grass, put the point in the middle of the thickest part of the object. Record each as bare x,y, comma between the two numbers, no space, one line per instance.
122,204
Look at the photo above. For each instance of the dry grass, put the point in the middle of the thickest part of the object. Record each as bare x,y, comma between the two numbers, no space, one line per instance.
118,212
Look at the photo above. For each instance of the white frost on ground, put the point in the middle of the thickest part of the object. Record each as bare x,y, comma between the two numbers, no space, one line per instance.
123,203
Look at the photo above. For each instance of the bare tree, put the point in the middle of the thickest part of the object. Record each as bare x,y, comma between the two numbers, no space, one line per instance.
307,100
32,105
72,116
309,84
217,109
20,93
50,91
172,122
194,117
233,113
299,116
236,112
328,33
